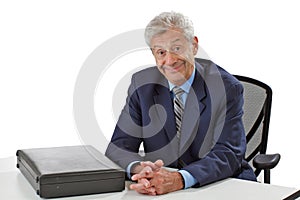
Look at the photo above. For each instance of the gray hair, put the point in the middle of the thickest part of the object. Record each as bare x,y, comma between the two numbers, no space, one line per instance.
167,20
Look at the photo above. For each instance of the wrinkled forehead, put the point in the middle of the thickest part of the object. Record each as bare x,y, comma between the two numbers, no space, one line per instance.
168,37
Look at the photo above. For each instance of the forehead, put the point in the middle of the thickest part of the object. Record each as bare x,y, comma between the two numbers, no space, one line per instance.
168,37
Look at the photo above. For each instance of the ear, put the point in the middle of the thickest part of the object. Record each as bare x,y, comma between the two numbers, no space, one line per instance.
195,45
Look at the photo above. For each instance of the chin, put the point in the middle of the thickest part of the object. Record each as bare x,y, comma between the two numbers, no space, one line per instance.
177,80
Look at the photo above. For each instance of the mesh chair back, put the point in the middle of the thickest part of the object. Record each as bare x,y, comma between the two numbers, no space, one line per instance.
257,111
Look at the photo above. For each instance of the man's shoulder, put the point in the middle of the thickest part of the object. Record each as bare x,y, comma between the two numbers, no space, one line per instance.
147,71
211,71
149,75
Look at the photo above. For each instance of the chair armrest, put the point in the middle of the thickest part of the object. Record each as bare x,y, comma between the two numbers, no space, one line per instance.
266,161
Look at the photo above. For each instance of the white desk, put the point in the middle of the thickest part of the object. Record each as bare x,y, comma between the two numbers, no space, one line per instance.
13,186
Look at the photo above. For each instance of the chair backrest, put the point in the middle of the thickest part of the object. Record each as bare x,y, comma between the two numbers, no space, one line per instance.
257,111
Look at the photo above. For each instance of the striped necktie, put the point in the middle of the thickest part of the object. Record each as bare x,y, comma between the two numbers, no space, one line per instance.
178,109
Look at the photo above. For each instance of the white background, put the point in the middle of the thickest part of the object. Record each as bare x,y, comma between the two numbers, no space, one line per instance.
43,45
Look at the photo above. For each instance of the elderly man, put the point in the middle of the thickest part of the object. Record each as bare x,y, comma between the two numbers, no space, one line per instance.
186,112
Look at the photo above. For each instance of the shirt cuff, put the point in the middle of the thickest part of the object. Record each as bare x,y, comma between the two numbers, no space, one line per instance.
128,169
189,180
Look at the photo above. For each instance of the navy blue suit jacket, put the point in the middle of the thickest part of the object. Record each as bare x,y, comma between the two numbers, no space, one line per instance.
212,144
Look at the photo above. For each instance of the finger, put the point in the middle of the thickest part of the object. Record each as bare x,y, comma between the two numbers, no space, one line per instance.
145,182
159,163
145,173
154,166
142,189
142,176
150,191
148,163
142,184
137,186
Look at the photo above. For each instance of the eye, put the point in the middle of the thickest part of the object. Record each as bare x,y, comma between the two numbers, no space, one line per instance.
176,49
160,52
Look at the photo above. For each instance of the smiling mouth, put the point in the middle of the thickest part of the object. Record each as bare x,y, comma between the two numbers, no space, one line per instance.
177,68
174,69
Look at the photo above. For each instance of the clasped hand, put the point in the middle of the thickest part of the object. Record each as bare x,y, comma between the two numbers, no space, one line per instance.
152,179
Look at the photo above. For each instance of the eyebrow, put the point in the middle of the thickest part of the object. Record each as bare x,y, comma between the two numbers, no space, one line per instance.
178,39
156,46
159,46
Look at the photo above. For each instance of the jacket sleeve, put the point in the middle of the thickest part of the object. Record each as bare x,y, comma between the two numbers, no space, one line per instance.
226,155
127,137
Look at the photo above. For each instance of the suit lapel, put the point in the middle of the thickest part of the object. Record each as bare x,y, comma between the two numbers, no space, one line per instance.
194,106
162,97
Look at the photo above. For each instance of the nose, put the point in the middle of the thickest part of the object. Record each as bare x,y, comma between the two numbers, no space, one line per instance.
169,59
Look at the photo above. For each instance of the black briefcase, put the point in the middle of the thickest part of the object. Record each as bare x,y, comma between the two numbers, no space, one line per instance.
69,171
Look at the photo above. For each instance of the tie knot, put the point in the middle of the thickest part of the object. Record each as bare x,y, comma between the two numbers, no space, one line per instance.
178,91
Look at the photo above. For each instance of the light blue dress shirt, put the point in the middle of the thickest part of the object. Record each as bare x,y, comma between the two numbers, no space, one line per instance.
189,180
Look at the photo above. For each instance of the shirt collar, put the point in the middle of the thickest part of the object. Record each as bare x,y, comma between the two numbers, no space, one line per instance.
187,85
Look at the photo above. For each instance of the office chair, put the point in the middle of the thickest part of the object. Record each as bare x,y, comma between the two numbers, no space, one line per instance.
256,119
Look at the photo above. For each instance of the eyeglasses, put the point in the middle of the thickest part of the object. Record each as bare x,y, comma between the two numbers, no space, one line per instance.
160,53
